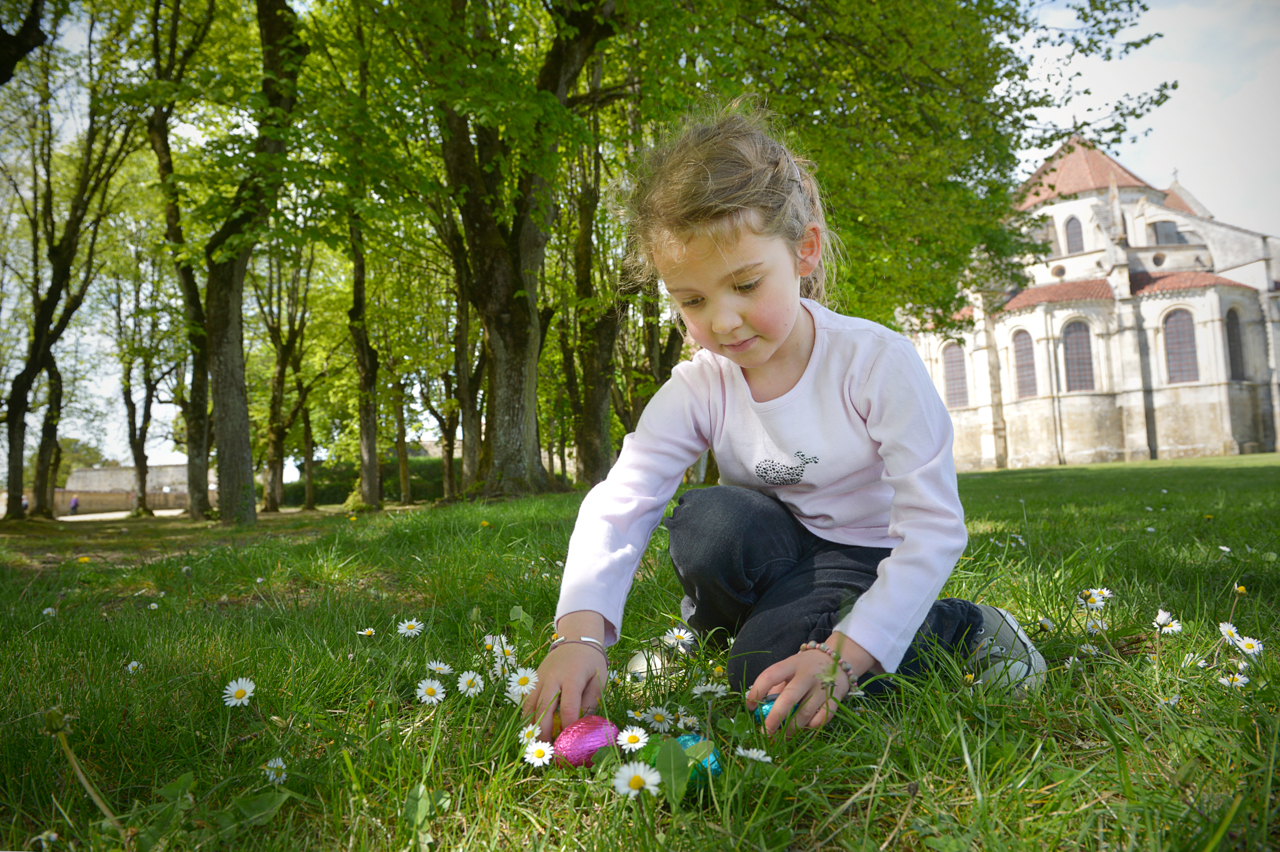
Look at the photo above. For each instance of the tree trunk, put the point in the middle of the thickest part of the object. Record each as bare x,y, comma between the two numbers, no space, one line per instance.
42,488
402,445
236,486
308,462
277,430
28,37
367,369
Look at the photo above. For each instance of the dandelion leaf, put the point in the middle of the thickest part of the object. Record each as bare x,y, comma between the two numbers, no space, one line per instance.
259,810
673,766
423,805
699,751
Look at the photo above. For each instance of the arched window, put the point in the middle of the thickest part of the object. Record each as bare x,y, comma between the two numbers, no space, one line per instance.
1024,360
1079,361
953,372
1075,236
1235,349
1180,347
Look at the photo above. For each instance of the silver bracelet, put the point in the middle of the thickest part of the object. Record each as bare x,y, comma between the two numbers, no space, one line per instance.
581,640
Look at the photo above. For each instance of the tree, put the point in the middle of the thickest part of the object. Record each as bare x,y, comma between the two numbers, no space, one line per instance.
175,40
227,253
14,48
65,193
500,157
144,321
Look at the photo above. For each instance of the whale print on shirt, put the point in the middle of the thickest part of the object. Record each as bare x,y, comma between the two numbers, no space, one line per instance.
776,473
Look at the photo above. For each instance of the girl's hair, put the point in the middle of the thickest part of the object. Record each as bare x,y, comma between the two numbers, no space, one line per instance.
715,176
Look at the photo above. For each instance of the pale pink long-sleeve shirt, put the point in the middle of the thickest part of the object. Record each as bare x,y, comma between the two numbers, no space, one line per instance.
859,451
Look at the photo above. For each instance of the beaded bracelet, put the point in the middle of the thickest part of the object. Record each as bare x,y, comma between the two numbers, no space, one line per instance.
845,665
582,640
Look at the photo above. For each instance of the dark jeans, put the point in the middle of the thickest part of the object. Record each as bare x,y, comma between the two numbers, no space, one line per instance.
751,569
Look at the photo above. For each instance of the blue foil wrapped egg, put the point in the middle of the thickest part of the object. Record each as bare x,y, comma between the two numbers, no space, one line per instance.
763,708
702,770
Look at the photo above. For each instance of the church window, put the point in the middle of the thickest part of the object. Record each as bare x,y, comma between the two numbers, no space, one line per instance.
1076,354
1166,234
953,372
1075,236
1024,360
1235,348
1180,347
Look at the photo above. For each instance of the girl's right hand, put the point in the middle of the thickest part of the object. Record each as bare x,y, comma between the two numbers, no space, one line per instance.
571,677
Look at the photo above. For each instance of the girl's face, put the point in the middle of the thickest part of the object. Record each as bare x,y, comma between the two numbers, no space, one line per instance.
742,301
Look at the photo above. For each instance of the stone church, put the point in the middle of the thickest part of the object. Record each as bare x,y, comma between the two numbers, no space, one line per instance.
1150,331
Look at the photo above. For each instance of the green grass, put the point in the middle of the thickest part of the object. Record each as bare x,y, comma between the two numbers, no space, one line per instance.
1091,762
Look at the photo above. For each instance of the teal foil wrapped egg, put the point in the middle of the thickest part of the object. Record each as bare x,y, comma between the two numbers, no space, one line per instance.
700,770
763,708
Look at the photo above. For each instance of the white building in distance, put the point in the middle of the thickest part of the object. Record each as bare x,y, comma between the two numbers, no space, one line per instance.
1151,331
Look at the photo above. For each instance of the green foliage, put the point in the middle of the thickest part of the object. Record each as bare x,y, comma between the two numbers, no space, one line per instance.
335,481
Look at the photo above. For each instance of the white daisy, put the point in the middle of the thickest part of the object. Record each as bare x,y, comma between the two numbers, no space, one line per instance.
514,698
636,716
1228,631
1088,649
528,734
409,628
367,631
505,654
1071,663
616,677
711,690
632,778
1171,701
1233,679
440,668
1224,548
678,637
1162,618
275,771
492,641
757,754
134,666
1249,645
1046,624
538,753
238,692
1089,599
260,581
430,691
1151,529
153,606
660,718
1174,626
470,684
522,681
49,611
685,720
632,738
1094,626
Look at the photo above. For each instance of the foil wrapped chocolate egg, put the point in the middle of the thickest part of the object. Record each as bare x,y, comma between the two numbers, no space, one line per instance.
579,741
700,771
763,708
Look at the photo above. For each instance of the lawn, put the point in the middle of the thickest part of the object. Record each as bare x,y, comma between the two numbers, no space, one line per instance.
1138,745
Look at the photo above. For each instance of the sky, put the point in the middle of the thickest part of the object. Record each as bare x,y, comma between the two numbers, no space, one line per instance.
1219,130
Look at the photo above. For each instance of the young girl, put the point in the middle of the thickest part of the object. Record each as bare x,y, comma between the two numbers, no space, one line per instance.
837,520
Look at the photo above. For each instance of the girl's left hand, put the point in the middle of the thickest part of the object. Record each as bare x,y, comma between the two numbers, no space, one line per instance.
806,684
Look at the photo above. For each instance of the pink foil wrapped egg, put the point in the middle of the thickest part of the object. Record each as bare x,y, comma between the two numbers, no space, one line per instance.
578,742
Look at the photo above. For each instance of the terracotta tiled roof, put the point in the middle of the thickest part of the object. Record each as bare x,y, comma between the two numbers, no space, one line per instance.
1155,282
964,313
1076,167
1174,201
1095,289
